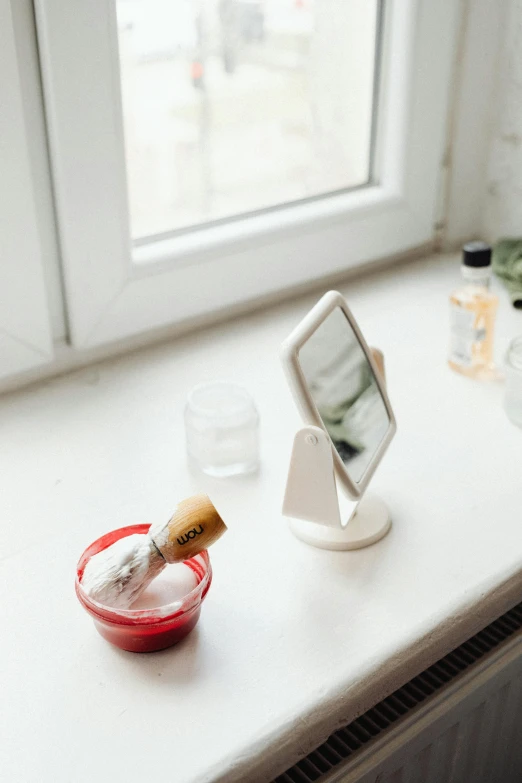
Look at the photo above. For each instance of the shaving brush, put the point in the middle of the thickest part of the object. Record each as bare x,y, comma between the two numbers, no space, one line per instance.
118,575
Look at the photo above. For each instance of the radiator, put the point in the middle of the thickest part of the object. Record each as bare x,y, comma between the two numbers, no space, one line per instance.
460,721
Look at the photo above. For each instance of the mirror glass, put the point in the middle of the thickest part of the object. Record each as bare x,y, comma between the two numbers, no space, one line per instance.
343,387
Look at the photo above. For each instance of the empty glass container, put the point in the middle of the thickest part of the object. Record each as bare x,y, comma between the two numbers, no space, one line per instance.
222,429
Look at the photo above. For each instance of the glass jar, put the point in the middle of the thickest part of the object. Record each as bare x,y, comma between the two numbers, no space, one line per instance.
145,630
222,429
513,392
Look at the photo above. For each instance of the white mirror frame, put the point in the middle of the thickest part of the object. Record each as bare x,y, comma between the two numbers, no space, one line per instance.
307,407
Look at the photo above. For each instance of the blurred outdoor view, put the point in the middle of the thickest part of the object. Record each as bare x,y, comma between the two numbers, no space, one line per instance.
232,106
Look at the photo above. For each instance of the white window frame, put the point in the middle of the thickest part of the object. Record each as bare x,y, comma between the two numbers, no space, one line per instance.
114,290
25,326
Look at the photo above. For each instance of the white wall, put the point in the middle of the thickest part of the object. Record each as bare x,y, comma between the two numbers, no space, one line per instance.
484,160
471,120
502,212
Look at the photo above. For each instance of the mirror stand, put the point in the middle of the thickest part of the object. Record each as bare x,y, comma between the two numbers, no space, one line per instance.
315,505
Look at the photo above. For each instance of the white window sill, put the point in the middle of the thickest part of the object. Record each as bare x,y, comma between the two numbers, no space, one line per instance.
292,641
66,358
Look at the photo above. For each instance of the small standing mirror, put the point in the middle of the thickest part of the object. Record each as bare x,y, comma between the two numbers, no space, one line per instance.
345,391
342,397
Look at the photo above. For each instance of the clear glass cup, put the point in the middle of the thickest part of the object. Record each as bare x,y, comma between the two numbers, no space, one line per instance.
222,429
513,391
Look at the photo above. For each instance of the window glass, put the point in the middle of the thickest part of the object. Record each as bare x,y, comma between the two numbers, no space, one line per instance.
233,106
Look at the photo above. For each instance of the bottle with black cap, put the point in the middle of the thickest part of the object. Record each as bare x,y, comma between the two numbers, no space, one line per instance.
472,312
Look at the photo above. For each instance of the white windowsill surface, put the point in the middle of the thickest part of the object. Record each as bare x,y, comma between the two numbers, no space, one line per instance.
292,642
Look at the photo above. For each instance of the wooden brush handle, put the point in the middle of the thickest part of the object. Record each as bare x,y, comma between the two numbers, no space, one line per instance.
378,357
194,526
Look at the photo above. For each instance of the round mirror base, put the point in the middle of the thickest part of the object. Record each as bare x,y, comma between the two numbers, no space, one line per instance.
369,523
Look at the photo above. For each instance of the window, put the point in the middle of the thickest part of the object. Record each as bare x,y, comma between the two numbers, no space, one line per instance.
25,334
209,152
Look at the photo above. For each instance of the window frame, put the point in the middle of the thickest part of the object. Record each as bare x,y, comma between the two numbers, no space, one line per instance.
114,290
25,323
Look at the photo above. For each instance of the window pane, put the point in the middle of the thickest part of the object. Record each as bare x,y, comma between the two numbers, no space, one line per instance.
232,106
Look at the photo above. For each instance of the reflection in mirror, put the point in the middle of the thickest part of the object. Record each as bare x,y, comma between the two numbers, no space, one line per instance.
343,387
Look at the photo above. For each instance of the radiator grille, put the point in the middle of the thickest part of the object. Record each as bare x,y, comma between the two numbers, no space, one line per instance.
343,743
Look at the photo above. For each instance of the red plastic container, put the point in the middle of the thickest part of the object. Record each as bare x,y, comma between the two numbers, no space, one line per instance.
145,630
